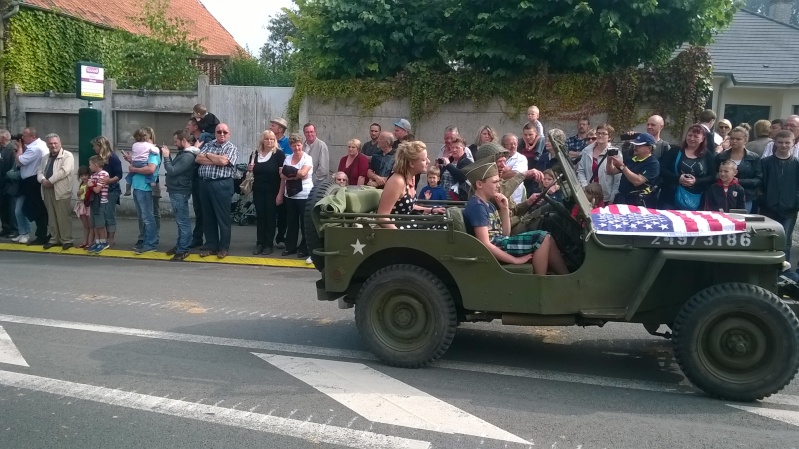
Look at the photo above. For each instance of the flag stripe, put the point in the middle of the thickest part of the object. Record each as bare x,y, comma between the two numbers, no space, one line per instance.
633,220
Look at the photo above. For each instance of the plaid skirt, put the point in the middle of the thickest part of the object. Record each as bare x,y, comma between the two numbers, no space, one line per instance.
520,244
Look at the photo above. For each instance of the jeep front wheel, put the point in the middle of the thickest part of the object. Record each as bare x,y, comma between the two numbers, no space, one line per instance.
737,341
406,315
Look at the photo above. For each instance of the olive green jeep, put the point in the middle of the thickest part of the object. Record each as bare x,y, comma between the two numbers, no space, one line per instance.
734,335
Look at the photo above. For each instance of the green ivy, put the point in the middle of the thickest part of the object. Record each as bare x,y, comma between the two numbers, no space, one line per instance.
677,90
42,49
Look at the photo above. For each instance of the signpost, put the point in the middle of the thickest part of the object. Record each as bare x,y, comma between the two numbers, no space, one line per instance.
89,85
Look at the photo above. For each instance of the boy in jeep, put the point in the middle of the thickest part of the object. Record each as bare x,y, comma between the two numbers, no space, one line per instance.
492,227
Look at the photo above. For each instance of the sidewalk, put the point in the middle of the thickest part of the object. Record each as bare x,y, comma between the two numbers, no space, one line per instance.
242,242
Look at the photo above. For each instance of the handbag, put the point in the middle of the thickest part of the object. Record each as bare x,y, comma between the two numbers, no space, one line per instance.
246,185
684,199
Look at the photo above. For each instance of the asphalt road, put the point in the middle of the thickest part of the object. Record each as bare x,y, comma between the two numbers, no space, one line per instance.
126,353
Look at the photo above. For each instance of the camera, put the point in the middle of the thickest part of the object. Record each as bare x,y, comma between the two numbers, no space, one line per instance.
613,152
16,136
440,161
629,136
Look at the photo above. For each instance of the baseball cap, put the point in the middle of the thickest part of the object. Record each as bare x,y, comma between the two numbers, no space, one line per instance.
404,124
644,139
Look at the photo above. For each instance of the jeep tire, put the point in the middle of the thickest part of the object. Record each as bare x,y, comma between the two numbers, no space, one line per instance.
312,239
737,342
406,316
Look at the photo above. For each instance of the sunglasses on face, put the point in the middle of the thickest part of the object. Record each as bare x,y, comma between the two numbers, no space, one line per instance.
223,132
591,139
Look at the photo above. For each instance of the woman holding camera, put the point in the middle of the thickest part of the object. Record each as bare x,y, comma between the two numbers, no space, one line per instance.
453,180
592,166
686,172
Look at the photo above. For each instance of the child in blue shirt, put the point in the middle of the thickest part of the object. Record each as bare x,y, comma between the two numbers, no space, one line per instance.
493,228
433,191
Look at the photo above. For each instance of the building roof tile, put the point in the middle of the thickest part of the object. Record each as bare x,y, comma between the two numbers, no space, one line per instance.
215,39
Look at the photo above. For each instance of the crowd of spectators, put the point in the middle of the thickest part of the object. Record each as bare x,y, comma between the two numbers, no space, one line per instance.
715,167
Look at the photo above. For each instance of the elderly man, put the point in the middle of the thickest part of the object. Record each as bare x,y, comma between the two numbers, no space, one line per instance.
55,176
279,126
515,162
218,164
29,206
9,223
640,173
319,153
381,164
791,124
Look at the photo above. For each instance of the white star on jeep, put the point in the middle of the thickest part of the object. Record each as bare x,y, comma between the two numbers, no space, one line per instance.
357,247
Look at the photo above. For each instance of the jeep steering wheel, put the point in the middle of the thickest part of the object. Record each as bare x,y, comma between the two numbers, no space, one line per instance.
560,209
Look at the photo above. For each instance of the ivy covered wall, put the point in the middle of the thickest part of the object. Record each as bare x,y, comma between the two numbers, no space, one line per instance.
42,49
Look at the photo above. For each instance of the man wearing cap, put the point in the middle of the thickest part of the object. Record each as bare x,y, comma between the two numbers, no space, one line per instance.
402,132
640,173
279,126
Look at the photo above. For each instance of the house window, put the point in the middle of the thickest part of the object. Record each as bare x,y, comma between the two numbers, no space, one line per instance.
796,109
163,123
740,113
65,125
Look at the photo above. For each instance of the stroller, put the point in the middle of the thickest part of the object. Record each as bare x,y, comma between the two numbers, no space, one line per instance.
242,207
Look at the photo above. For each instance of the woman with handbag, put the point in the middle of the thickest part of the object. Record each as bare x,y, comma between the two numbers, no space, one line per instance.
263,178
295,185
687,172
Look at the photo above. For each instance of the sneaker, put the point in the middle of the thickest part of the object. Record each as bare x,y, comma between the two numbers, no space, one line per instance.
172,251
179,257
93,248
309,261
19,237
23,239
101,247
141,251
13,235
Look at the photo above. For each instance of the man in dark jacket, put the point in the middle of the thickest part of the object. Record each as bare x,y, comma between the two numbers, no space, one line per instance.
9,223
780,200
179,169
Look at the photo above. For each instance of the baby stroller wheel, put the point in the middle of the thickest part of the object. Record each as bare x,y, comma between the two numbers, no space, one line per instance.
243,220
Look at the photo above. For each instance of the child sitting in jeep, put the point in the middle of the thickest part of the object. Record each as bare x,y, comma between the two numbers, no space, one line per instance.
492,227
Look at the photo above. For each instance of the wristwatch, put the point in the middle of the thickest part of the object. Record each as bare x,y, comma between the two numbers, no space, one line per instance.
622,167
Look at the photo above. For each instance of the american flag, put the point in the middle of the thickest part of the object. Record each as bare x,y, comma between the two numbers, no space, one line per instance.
633,220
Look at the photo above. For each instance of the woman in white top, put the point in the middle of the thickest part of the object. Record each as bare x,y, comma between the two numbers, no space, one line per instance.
295,186
591,167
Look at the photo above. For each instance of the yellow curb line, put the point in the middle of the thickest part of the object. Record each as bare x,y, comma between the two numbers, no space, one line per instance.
230,260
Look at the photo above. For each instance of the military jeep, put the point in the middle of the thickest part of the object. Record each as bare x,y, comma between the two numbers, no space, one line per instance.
733,335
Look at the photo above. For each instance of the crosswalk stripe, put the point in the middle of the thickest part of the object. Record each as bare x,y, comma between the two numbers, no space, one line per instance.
786,416
305,430
8,350
381,398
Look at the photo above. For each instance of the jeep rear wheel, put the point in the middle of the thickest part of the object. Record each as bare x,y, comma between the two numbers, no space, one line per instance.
737,341
406,316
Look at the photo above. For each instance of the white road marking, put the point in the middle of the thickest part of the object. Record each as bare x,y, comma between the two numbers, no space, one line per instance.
316,433
381,398
786,416
8,350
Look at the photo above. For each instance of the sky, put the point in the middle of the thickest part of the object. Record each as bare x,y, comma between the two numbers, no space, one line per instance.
246,19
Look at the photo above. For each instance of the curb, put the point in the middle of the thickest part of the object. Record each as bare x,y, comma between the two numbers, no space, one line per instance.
121,254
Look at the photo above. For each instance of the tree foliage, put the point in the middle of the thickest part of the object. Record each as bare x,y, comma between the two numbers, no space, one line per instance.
381,38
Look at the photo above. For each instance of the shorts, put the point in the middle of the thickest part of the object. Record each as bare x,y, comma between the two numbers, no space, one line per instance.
520,244
98,214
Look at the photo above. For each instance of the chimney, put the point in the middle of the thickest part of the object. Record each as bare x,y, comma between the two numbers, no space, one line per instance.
781,10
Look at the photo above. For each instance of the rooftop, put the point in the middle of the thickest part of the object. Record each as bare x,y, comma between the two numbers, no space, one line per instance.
117,13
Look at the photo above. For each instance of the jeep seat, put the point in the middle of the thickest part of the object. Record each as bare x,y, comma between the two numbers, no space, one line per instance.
362,201
456,215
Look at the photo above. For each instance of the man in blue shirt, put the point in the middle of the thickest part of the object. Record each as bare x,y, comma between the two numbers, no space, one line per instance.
640,173
279,126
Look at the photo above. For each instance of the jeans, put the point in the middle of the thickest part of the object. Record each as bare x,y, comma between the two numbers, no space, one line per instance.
196,203
216,195
748,206
180,206
266,215
144,212
111,210
281,223
7,206
295,210
23,224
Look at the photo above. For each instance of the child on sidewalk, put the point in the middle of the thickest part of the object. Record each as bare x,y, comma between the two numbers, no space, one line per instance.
433,191
492,228
726,193
81,210
139,153
99,203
